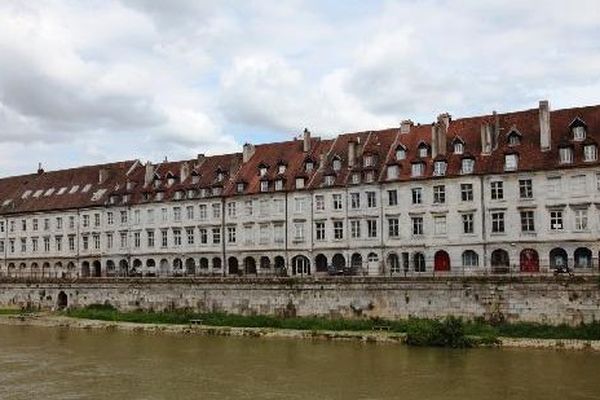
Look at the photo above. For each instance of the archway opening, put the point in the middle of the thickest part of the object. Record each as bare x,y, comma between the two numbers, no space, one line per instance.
265,263
356,263
529,261
558,258
85,269
190,266
250,265
300,265
441,261
500,261
62,300
233,267
321,263
339,263
393,263
583,258
96,269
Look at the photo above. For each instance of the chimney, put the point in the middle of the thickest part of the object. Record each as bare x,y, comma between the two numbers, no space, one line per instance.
486,139
102,175
351,153
545,133
149,174
40,169
434,138
442,132
184,171
247,152
200,159
405,126
306,141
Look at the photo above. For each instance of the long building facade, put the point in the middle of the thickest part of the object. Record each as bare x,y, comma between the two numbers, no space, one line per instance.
513,193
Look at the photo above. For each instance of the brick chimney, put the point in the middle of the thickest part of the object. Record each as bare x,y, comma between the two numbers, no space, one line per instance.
184,171
149,174
306,141
545,133
351,153
102,175
247,152
486,138
405,126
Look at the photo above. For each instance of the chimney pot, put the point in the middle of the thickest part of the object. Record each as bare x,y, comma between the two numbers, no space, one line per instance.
306,141
405,126
247,152
545,133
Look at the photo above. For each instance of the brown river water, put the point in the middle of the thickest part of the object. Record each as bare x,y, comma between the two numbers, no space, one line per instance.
51,363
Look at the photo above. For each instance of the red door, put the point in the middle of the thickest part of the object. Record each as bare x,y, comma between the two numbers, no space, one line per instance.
441,261
530,261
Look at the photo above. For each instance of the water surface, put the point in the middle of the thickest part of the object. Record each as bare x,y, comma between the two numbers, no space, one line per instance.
48,363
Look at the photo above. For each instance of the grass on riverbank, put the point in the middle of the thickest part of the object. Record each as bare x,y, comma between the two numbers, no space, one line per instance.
10,311
450,332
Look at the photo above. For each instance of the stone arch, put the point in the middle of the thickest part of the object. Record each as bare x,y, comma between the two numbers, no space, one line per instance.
583,257
338,262
177,267
35,269
136,267
58,270
356,262
85,269
500,261
163,267
216,263
96,269
249,265
321,263
46,269
62,301
232,266
441,261
150,267
123,268
558,258
279,265
190,266
110,268
203,263
470,258
265,263
22,269
393,262
300,265
12,269
70,269
419,262
529,261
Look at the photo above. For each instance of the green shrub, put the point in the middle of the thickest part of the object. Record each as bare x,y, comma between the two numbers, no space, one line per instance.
447,333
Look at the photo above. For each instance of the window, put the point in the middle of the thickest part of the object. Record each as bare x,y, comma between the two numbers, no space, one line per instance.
109,241
578,185
263,233
177,237
203,214
417,169
590,152
329,180
355,178
466,191
527,221
392,197
556,220
355,200
439,168
279,206
338,230
216,210
164,213
59,222
514,138
400,153
47,244
279,184
422,151
216,235
319,202
511,162
565,155
581,219
439,194
231,234
190,235
579,133
150,236
525,189
137,241
71,222
203,236
417,226
308,167
498,222
458,148
176,214
262,170
123,239
264,186
299,183
86,221
393,227
278,232
320,230
189,212
392,172
355,228
123,217
299,205
419,262
439,225
470,259
337,164
263,207
372,228
239,187
554,186
337,201
371,199
23,245
497,190
34,244
467,166
299,231
231,209
417,195
467,220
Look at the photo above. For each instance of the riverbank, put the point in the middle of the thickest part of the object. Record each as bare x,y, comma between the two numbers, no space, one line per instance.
53,320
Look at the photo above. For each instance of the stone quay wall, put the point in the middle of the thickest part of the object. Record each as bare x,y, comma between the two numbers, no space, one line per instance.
543,299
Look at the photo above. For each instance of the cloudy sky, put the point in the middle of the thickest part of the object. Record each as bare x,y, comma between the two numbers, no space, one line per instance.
93,81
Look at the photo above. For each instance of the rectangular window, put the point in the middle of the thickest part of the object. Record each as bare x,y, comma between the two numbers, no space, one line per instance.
319,202
299,231
24,225
279,206
59,223
497,190
203,236
164,238
85,243
299,205
150,215
554,186
392,197
34,225
371,199
71,222
86,221
263,233
123,217
150,235
525,188
177,214
248,207
556,220
498,222
72,242
34,244
176,237
527,221
372,228
338,230
393,227
417,226
355,200
467,220
417,195
320,230
231,234
189,212
123,240
581,219
417,169
216,210
190,235
216,235
231,209
578,185
47,244
164,214
439,194
110,218
278,234
337,201
23,245
439,225
137,240
248,234
203,213
466,192
355,228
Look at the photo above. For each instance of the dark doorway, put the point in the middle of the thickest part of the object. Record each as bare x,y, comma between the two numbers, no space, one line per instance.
62,301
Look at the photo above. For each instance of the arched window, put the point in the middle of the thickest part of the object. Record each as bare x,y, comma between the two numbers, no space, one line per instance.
190,266
529,261
265,262
470,258
558,258
583,258
356,262
321,263
300,265
339,262
216,263
249,265
204,263
441,261
232,264
393,263
419,262
500,260
372,257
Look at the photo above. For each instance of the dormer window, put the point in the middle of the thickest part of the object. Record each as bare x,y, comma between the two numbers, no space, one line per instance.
281,169
368,161
418,169
170,180
203,192
299,183
264,186
369,177
262,170
467,166
355,178
159,196
400,153
216,191
195,179
308,167
337,164
191,193
279,184
130,185
393,171
423,150
459,148
329,180
514,137
590,152
157,183
579,133
511,162
178,195
220,176
439,168
240,187
565,155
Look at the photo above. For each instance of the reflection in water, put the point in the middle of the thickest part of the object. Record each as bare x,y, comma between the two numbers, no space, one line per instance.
58,364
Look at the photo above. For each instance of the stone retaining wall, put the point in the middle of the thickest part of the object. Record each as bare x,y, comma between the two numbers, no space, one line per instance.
537,300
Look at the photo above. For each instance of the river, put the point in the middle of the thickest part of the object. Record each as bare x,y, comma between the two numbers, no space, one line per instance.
50,363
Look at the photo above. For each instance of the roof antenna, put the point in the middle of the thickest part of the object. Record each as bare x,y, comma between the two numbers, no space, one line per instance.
40,169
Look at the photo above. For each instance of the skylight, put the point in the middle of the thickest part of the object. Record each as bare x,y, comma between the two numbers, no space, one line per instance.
49,192
86,188
38,193
62,190
26,194
74,188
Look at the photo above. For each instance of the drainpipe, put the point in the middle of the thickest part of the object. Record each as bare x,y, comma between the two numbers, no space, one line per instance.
483,219
222,228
